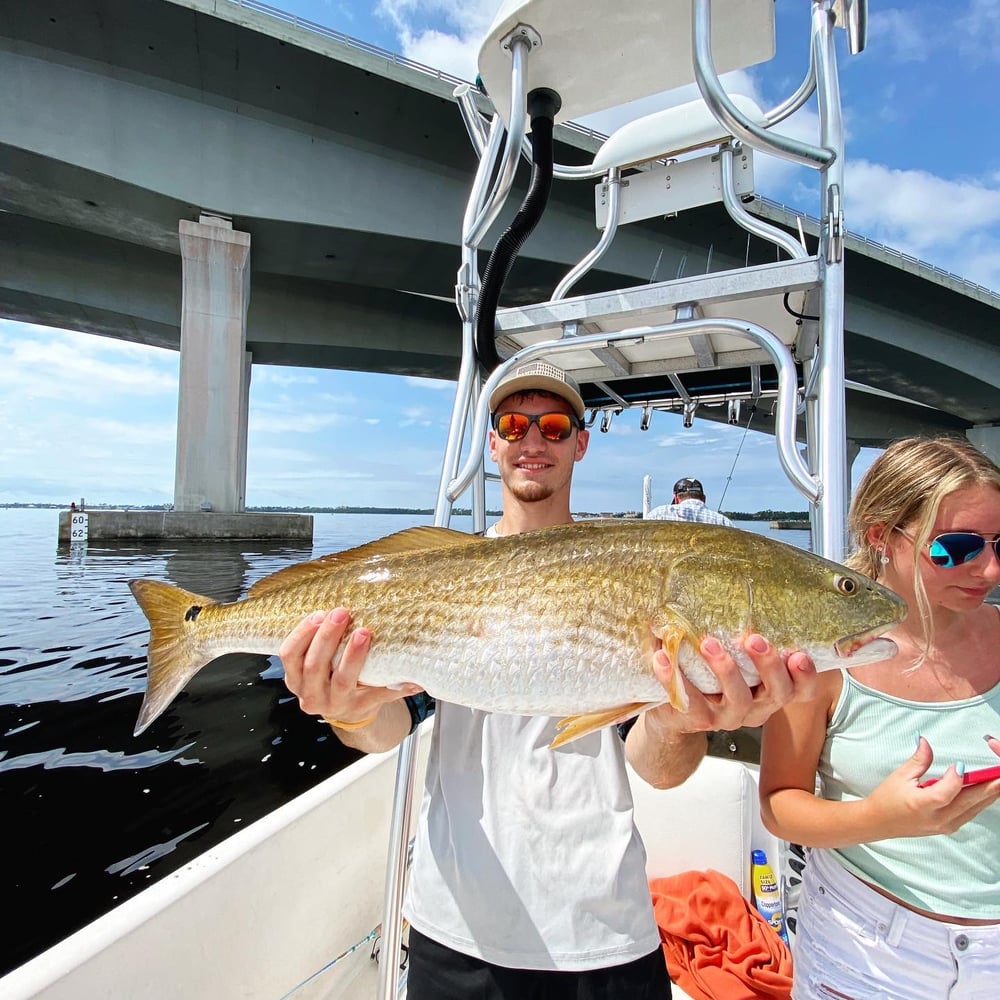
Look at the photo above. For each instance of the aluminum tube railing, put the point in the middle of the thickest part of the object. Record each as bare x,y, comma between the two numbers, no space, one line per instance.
752,223
603,244
790,105
475,125
471,234
512,151
830,445
726,112
565,172
399,842
784,429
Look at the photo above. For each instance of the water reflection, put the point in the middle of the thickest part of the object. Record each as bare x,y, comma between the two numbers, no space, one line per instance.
227,569
92,813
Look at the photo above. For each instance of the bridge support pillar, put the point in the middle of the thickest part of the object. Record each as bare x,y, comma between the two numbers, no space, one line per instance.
987,440
212,409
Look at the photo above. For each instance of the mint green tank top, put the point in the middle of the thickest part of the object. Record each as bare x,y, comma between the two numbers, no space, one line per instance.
869,736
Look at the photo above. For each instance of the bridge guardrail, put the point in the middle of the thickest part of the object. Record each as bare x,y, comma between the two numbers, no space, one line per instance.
438,74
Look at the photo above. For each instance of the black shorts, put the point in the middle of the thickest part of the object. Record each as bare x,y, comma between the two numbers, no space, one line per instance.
439,973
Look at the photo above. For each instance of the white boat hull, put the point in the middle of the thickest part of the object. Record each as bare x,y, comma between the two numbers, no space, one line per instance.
289,907
254,917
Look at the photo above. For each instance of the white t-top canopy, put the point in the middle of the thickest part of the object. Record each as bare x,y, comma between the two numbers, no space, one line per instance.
596,54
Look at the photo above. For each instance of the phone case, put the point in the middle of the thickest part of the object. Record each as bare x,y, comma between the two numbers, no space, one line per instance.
971,777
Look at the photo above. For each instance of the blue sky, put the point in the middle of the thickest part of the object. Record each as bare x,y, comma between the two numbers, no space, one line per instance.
88,416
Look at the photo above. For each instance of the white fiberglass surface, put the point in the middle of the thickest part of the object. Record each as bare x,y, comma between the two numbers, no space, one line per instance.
596,58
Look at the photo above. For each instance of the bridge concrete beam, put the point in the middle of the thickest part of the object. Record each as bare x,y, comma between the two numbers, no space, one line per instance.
71,279
987,440
349,171
252,164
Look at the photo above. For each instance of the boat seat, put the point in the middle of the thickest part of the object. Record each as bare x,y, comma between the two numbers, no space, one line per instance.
712,820
669,132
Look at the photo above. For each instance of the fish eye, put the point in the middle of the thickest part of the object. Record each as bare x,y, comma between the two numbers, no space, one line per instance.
846,585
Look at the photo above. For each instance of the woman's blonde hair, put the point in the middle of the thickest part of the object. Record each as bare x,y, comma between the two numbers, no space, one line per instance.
904,488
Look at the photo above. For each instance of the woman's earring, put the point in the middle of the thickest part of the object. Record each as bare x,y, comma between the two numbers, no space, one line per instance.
883,556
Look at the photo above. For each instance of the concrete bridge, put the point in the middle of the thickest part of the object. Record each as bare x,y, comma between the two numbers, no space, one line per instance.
199,173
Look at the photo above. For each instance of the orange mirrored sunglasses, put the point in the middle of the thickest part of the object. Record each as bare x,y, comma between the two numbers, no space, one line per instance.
553,426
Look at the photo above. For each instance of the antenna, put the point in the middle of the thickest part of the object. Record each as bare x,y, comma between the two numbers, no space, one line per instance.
656,266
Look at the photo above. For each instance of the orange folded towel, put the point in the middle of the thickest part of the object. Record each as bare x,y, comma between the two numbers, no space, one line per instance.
717,946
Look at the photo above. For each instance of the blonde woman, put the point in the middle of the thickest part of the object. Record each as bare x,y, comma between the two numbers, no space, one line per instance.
901,890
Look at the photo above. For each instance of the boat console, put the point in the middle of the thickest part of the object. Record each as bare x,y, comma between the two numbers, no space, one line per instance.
768,333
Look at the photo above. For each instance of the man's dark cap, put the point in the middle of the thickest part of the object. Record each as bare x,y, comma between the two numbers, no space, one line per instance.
683,486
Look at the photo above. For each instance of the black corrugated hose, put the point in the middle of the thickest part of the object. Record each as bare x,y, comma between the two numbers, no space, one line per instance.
543,105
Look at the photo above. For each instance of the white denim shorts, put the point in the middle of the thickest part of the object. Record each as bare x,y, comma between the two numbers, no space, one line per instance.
851,943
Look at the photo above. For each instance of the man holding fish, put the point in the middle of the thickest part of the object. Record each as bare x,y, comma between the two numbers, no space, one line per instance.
528,875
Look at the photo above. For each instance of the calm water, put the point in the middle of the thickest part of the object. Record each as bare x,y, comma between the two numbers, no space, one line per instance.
91,814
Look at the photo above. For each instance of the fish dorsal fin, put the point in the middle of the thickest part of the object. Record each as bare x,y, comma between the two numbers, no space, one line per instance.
420,539
408,540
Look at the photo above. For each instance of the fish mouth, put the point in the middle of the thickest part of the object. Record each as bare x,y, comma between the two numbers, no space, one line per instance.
850,644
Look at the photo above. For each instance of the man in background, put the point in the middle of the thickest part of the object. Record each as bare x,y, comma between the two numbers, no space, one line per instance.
688,505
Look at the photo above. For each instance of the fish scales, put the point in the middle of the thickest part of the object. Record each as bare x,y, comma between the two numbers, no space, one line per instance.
560,621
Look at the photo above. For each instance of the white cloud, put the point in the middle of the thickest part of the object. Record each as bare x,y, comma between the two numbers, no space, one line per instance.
950,223
345,399
441,51
434,384
42,363
979,31
275,375
465,17
417,416
441,34
297,423
144,434
899,35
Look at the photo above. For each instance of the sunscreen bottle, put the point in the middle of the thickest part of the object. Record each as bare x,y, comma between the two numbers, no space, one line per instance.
766,894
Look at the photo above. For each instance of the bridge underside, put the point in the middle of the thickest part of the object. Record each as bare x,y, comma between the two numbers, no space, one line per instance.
350,174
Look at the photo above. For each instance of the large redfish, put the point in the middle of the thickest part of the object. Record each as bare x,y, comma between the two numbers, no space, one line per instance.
561,622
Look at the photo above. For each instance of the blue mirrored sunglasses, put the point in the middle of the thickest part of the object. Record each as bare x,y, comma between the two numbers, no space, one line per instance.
954,548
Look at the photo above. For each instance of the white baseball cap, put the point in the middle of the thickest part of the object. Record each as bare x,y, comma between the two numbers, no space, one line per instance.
539,375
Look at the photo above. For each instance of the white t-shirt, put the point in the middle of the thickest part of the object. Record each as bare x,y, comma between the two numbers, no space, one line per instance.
528,857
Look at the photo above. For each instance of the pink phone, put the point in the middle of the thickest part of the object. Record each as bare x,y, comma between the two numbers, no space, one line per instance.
971,777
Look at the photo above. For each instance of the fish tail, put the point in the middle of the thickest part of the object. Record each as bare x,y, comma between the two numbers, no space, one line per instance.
175,654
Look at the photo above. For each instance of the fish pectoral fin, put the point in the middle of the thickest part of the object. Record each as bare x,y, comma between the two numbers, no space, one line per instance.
672,638
677,696
574,726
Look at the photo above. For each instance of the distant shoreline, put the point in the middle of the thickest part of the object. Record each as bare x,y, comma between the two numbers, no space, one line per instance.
735,515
